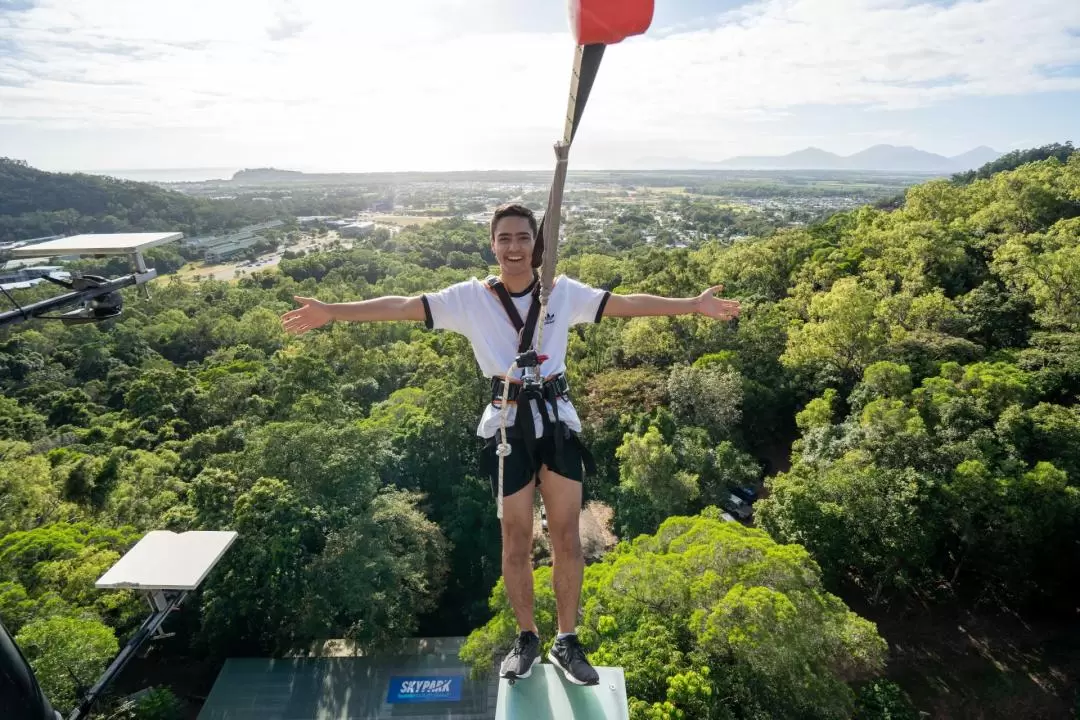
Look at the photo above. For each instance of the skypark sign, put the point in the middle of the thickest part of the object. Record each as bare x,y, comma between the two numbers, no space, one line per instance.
443,688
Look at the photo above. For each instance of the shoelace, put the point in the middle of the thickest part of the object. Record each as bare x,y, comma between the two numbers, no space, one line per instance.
574,650
519,645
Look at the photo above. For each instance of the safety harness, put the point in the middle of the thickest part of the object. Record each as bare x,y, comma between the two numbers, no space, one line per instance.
506,389
531,388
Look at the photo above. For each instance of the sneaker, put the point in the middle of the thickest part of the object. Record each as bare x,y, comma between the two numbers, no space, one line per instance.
568,655
520,660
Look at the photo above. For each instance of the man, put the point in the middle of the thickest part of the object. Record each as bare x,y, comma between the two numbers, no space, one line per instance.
545,451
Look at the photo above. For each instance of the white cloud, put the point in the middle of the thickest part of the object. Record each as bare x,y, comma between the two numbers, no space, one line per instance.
410,83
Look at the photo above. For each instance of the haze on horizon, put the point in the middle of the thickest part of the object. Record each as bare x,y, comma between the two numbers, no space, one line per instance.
481,84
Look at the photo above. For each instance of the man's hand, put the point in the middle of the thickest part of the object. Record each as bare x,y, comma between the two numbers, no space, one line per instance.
313,314
709,305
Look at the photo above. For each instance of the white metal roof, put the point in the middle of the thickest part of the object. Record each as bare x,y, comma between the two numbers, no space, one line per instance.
164,560
97,244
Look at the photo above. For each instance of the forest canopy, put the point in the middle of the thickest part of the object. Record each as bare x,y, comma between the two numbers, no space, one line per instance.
901,387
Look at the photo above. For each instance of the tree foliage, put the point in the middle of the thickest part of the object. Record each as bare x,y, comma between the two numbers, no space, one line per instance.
712,620
67,654
1016,158
907,375
36,204
957,486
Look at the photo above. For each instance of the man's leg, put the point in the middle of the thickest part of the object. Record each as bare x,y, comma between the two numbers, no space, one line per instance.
518,577
517,539
562,501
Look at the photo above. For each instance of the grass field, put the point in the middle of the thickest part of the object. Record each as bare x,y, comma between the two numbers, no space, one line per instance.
663,190
404,220
225,272
219,272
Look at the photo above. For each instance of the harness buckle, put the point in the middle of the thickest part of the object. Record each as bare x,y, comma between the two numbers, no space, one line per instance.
551,389
530,359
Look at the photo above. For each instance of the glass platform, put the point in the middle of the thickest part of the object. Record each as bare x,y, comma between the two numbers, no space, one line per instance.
546,695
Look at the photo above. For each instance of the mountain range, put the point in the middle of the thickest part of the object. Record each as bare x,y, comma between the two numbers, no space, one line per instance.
878,157
881,158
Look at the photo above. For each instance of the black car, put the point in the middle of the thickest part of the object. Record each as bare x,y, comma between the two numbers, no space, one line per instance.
746,493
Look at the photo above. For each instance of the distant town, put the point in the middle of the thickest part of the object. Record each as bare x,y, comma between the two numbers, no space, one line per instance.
676,209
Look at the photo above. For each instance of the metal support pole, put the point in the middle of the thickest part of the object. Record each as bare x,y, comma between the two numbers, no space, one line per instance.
165,601
139,265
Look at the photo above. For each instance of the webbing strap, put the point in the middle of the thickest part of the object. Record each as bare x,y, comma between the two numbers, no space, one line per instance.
525,328
586,66
581,85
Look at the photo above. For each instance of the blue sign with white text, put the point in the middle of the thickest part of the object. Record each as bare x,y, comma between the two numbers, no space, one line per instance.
442,688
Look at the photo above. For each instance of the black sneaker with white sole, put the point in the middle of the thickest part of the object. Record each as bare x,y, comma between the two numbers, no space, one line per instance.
568,655
525,653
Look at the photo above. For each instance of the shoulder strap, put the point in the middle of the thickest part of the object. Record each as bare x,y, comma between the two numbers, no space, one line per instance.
496,285
526,328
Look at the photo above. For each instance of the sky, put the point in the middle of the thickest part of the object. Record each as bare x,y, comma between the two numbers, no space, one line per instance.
373,85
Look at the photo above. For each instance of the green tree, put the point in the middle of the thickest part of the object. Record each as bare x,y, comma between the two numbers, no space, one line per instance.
712,620
256,598
67,654
376,574
157,703
19,423
651,485
708,397
842,333
1046,266
858,520
1016,158
952,489
649,341
27,494
884,700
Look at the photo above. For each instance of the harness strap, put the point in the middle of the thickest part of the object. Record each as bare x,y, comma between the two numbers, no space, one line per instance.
496,286
554,387
529,392
527,328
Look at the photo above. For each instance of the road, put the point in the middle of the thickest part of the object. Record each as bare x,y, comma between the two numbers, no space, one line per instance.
227,271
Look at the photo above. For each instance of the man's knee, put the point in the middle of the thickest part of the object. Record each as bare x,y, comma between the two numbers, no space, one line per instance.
517,542
566,541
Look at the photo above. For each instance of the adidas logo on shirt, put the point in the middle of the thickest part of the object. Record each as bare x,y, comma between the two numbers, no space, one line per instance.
549,319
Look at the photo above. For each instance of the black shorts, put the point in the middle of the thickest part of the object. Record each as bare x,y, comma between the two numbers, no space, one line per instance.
518,470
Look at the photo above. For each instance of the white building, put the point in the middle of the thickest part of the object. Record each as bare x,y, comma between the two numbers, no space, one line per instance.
357,229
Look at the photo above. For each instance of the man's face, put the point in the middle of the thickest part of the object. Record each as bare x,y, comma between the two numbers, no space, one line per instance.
513,245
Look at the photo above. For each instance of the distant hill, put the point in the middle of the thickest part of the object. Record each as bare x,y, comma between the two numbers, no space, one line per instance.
977,158
260,176
274,176
35,203
882,158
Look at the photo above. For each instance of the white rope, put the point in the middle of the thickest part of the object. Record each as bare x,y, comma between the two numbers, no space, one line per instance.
503,448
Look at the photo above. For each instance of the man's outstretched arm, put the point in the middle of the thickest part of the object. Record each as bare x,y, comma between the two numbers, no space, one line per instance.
314,314
643,305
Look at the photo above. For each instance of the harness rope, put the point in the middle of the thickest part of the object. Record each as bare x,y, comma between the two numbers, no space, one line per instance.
586,64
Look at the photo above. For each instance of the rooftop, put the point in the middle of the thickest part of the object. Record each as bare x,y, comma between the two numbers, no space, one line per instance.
408,683
97,244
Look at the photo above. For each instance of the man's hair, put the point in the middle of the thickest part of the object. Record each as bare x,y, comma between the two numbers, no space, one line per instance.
518,210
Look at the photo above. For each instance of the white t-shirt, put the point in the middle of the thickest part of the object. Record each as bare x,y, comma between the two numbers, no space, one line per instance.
472,309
